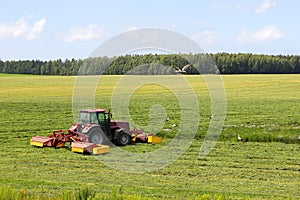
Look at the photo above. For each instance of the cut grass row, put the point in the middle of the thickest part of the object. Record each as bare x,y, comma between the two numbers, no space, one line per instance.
234,169
7,193
259,108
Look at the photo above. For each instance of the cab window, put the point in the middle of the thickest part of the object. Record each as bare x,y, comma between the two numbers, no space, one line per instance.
101,117
94,119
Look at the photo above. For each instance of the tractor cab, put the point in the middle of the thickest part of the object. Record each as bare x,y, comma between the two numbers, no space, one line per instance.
95,116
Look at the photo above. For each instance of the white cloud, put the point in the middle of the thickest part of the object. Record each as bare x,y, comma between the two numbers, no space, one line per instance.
265,34
36,29
269,33
22,29
173,26
91,31
246,6
205,37
228,6
265,5
131,28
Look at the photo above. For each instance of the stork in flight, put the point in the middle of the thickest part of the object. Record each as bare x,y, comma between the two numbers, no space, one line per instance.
183,70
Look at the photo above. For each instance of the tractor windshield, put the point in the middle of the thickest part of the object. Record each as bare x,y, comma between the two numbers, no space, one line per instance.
92,118
84,118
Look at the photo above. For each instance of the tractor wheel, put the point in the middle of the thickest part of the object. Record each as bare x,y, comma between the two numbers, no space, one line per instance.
97,136
123,139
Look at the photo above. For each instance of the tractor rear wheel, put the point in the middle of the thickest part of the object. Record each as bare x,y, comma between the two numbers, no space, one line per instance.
123,139
96,136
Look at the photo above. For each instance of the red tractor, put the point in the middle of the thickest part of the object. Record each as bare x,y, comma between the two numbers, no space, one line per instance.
94,129
97,125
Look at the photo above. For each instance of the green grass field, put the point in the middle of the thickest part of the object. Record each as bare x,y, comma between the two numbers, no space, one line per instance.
263,109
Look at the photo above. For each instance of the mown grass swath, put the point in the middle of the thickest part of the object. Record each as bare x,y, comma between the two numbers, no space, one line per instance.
263,109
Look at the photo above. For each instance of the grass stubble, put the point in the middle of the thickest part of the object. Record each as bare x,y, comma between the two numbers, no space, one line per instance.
263,109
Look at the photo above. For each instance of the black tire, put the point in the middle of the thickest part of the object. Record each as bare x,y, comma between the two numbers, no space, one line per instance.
123,139
97,136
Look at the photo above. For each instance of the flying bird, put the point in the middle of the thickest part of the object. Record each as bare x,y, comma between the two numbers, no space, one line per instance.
183,70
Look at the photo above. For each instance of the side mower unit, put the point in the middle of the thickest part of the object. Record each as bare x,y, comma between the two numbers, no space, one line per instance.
80,143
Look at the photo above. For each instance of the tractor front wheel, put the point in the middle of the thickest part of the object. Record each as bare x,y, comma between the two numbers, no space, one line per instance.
123,139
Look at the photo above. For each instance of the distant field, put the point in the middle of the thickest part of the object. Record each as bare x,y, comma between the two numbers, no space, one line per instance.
263,109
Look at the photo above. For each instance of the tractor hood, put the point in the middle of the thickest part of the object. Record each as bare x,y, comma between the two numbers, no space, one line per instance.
114,124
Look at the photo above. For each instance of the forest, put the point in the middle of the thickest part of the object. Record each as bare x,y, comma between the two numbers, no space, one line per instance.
223,63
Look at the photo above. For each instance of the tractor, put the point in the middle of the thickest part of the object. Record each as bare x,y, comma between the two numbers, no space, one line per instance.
97,125
94,129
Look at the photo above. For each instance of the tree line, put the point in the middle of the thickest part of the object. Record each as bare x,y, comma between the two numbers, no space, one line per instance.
224,63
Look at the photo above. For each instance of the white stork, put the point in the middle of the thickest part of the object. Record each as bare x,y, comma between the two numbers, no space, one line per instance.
183,70
239,138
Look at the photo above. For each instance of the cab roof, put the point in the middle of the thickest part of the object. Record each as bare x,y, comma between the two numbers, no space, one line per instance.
97,110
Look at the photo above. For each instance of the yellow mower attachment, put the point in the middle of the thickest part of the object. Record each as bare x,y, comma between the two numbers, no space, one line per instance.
101,149
86,147
140,136
154,139
41,141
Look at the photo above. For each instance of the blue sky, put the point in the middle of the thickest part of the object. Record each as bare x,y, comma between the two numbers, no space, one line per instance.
54,29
